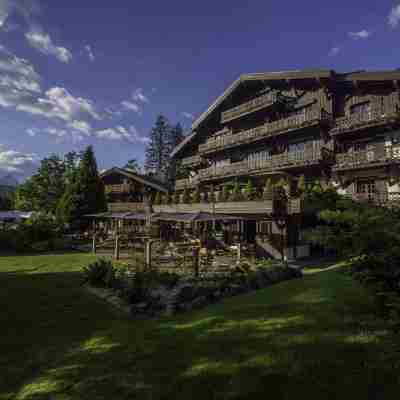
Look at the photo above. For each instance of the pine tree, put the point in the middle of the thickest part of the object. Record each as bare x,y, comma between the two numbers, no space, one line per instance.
158,149
86,194
133,165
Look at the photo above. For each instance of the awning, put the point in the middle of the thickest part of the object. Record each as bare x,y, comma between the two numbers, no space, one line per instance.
14,215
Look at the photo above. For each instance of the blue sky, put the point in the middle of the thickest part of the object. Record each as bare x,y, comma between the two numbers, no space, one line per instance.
98,72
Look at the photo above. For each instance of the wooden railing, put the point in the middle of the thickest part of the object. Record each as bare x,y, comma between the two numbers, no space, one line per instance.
378,198
116,189
181,184
367,157
251,106
269,129
193,160
276,162
360,119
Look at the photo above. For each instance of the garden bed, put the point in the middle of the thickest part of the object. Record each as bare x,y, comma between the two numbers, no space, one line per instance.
154,293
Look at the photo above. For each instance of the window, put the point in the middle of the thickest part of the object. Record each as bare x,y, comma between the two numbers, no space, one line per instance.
361,108
296,147
366,187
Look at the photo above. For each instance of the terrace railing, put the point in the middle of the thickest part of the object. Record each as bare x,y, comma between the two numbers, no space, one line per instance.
362,119
116,189
251,106
373,155
276,162
190,161
378,198
222,142
181,184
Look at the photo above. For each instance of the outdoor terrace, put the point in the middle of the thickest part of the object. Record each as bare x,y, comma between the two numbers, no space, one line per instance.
221,142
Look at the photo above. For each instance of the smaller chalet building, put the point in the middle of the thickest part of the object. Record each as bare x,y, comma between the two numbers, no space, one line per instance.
125,189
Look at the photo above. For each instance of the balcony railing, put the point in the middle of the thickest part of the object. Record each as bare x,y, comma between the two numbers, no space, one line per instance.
310,117
276,162
368,157
190,161
362,119
181,184
116,189
378,198
251,106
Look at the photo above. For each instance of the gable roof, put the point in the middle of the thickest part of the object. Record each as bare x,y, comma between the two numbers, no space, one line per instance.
263,76
144,179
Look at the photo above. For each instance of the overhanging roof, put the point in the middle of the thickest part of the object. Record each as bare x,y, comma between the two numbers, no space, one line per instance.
373,76
144,179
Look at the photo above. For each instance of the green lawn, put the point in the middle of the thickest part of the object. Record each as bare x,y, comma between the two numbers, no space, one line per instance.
309,338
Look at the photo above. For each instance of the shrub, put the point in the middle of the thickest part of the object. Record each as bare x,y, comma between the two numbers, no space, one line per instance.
186,196
196,196
157,199
236,193
224,195
267,192
250,191
99,273
176,198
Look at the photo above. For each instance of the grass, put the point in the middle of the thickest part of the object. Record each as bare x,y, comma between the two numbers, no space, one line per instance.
311,338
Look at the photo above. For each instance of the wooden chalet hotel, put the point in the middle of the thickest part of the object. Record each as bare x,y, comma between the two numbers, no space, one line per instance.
338,128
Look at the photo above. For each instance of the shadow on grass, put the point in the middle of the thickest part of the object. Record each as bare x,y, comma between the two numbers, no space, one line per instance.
289,341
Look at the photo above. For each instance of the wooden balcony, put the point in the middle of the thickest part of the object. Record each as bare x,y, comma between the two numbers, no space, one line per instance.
275,163
118,189
188,183
222,142
373,156
363,120
249,107
377,198
191,161
260,207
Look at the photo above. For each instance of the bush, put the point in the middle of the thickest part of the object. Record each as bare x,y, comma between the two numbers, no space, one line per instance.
186,196
236,193
100,273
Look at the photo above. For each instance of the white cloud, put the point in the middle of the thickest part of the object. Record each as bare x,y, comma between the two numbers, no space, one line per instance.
59,103
188,115
56,132
334,51
89,52
25,8
394,16
112,113
17,163
43,43
32,132
364,34
81,126
139,96
121,133
128,105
